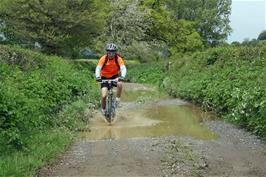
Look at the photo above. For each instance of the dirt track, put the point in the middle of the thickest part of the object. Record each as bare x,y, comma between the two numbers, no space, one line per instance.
234,153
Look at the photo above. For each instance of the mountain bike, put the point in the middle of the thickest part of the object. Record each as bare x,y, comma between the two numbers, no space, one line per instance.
111,104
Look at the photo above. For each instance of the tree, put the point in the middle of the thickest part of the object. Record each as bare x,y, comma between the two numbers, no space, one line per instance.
262,36
60,26
127,26
179,35
185,38
246,41
211,17
236,43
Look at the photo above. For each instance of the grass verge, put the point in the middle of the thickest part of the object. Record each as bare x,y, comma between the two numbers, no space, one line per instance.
44,147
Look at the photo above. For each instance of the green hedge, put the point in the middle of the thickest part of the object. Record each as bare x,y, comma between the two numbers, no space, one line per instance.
34,89
151,73
89,64
229,80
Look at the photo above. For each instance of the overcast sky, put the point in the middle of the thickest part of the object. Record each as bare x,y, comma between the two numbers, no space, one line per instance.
248,19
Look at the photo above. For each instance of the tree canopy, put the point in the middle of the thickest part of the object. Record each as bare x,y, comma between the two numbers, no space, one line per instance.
126,25
262,36
64,27
58,26
211,18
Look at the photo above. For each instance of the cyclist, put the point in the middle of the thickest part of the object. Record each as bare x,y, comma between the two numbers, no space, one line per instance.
110,66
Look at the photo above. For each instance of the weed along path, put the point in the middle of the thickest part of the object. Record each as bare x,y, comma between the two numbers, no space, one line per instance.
155,135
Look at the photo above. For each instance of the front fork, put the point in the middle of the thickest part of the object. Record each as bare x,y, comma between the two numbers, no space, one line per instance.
110,105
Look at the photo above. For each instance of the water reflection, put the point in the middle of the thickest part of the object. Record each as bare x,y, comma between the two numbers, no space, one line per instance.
158,118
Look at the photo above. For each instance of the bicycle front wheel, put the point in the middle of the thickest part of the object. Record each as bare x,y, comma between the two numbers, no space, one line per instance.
108,113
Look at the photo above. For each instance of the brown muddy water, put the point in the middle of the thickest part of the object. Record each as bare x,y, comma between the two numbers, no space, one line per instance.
146,113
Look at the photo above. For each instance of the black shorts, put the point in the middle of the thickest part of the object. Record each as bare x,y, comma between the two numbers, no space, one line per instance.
106,84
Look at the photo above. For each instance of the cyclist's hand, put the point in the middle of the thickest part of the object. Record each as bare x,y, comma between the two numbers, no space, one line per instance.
117,79
121,78
98,79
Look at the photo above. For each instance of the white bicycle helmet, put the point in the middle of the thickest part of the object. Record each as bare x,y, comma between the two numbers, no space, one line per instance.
111,47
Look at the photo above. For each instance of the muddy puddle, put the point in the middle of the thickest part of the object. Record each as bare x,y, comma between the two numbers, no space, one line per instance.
144,112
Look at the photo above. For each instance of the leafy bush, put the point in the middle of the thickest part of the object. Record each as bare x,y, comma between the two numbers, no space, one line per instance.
228,80
88,64
34,88
146,73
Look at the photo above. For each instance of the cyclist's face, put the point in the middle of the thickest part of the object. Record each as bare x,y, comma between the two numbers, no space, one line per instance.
111,54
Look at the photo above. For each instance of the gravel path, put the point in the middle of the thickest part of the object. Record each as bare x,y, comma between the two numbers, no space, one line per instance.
235,153
133,157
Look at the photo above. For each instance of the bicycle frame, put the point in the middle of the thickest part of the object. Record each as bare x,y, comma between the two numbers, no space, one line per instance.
110,100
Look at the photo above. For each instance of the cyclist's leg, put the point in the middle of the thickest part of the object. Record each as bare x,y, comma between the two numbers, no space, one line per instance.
118,93
104,94
119,89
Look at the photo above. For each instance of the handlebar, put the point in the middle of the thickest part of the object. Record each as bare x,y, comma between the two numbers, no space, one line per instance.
108,80
111,80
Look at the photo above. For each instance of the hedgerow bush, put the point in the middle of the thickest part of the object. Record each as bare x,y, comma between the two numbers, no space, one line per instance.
34,89
89,64
227,80
150,73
